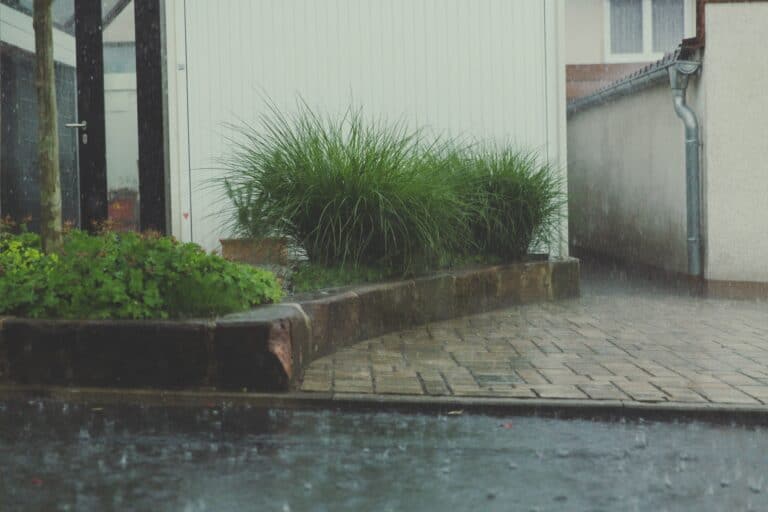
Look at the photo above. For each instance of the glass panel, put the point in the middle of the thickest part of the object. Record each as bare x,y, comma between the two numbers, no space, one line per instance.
121,115
19,174
626,26
63,12
668,24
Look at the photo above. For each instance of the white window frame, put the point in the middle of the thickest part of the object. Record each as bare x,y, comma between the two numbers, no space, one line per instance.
647,55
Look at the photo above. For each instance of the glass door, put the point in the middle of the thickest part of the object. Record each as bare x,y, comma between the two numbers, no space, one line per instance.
121,114
109,80
107,123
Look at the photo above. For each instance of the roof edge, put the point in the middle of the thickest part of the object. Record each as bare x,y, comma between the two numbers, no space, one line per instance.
642,78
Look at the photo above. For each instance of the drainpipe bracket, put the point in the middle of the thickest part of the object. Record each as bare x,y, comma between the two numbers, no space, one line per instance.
679,73
687,67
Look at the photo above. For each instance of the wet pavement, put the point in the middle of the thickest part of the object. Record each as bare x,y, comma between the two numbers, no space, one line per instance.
625,338
57,456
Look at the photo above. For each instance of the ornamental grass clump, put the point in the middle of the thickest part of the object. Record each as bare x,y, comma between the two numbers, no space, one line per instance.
348,190
124,275
362,194
517,201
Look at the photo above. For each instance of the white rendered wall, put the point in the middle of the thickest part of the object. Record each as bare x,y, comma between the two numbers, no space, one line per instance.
736,146
626,179
584,32
486,69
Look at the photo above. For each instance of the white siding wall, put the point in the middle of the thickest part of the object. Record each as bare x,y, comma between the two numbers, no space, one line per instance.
489,69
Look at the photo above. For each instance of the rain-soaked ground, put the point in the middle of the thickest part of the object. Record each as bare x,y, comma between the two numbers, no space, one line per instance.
56,456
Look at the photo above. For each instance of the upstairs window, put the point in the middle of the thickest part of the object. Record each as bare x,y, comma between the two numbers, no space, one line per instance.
644,30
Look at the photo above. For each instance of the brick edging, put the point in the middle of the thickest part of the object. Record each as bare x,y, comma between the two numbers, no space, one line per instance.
354,314
266,348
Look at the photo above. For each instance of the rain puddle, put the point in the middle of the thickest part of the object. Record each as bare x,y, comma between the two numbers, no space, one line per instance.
58,456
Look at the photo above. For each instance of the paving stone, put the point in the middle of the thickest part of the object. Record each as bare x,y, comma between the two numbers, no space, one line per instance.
683,395
565,377
602,391
642,392
500,392
352,375
350,386
558,391
532,377
664,382
725,395
735,379
399,386
625,345
758,392
435,387
587,369
316,384
608,378
511,391
464,389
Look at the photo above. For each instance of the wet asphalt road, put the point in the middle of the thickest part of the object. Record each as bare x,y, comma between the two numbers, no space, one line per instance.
59,456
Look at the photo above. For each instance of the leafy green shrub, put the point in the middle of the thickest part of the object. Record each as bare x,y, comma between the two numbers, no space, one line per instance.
350,192
516,202
25,273
124,275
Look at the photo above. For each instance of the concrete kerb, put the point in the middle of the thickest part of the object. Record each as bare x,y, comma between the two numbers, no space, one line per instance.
265,349
597,410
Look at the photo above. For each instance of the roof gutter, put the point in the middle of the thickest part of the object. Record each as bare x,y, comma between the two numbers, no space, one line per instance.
650,75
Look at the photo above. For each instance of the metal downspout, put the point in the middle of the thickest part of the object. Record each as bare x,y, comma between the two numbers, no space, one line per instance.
678,79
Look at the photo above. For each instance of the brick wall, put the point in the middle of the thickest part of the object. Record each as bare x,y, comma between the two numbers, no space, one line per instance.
584,79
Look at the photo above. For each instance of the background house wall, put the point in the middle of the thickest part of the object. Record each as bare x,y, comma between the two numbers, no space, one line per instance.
491,70
590,66
627,166
584,32
626,180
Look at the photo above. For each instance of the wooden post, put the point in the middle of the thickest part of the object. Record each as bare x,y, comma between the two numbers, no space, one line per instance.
48,133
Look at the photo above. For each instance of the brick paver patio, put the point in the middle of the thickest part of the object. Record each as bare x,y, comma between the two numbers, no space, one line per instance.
613,343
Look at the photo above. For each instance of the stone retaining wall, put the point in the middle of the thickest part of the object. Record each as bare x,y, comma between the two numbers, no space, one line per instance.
267,348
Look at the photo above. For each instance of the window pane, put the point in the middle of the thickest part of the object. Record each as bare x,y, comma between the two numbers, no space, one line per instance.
626,26
121,114
668,24
19,171
62,12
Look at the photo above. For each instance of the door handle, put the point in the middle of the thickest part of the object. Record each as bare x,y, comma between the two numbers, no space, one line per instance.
82,124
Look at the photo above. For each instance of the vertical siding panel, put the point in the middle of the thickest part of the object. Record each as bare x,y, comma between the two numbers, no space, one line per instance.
467,68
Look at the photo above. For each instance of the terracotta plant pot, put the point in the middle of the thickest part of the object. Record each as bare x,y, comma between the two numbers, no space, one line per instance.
272,251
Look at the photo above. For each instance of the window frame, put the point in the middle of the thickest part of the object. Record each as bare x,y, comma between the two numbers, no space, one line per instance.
647,55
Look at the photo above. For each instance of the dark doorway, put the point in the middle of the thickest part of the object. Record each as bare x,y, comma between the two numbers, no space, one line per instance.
90,119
